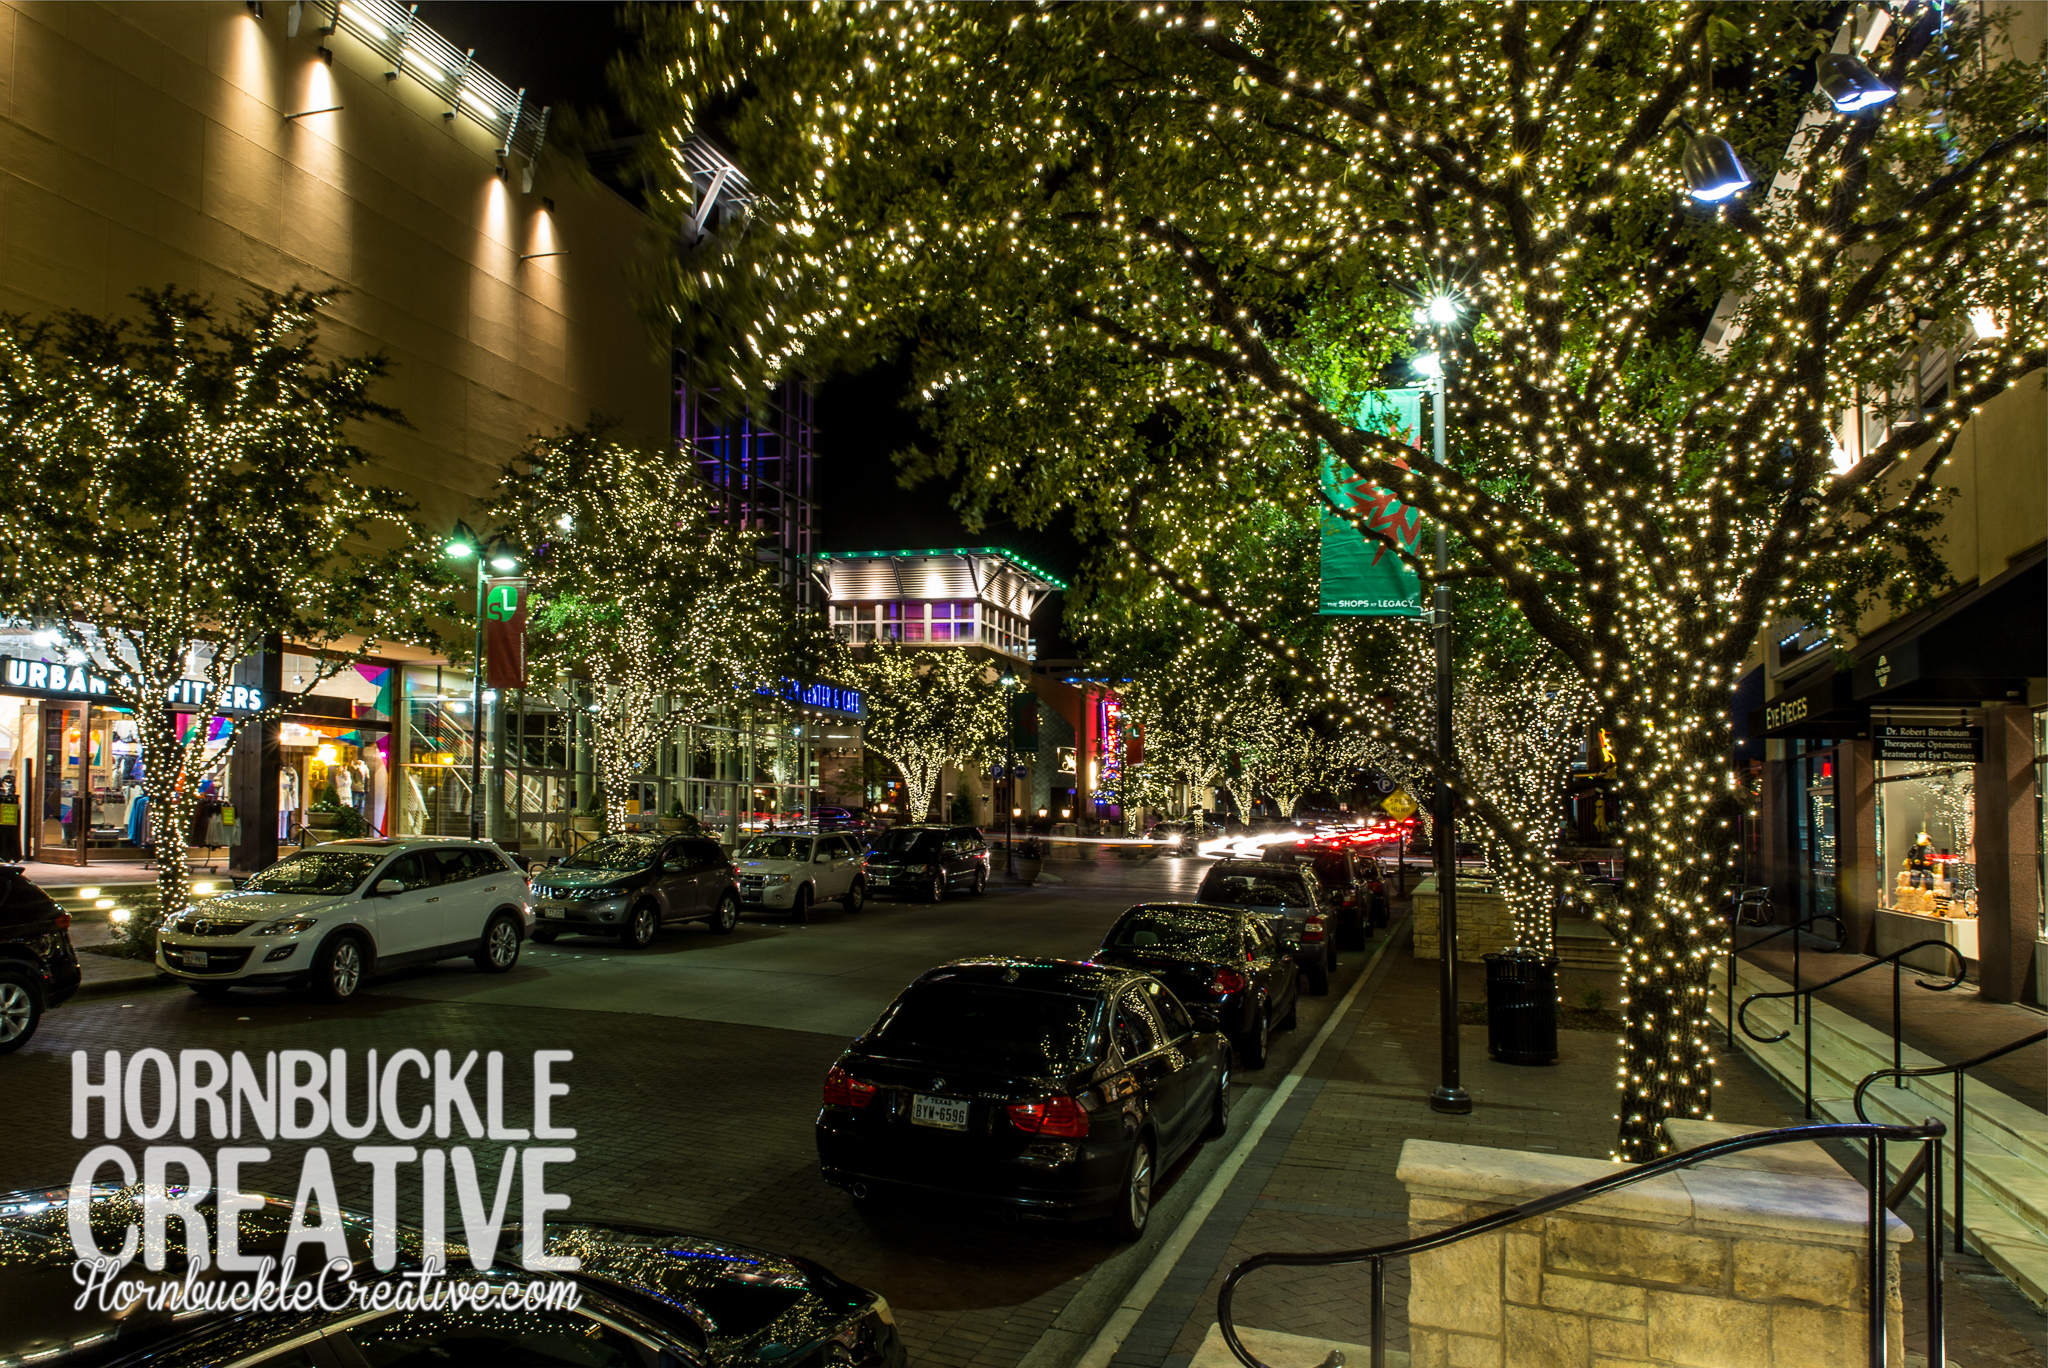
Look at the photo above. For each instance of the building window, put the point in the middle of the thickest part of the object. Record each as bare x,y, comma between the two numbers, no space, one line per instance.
1926,821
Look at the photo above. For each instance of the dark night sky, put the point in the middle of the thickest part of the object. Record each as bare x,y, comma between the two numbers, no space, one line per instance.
558,51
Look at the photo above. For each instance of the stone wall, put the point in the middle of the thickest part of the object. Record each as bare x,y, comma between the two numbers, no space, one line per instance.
1753,1262
1483,921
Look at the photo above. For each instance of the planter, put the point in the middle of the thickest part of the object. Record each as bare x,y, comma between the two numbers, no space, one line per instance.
1027,869
591,823
673,823
323,821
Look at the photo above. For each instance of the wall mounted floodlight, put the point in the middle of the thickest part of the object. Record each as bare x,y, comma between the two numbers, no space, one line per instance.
1428,364
1712,170
1849,85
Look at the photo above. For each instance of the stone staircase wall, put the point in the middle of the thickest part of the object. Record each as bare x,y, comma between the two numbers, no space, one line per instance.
2006,1150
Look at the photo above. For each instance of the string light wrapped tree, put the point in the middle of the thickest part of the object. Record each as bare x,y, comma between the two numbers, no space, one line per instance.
181,489
1026,205
641,591
926,709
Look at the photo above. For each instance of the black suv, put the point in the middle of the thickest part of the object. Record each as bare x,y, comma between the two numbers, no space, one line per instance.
632,886
38,967
927,860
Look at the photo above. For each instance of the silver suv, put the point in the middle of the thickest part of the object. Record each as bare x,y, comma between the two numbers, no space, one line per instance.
329,917
792,870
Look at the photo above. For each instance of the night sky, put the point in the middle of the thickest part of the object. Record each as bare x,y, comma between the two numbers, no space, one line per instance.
558,52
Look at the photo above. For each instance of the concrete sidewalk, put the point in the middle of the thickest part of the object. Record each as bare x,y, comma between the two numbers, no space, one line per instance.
1323,1179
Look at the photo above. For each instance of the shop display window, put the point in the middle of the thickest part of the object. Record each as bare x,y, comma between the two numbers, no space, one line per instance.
1926,817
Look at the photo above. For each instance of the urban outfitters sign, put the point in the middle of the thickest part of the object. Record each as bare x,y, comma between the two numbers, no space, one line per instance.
1930,745
53,679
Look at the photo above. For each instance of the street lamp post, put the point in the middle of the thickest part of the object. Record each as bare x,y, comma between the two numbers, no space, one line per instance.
464,543
1450,1095
1009,683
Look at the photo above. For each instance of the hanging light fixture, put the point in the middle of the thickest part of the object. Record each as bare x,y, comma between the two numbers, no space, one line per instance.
1712,170
1849,85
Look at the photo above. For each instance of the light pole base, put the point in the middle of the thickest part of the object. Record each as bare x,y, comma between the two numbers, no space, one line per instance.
1455,1101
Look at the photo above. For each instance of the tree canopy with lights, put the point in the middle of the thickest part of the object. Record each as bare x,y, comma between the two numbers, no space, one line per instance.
926,709
640,588
1147,260
183,491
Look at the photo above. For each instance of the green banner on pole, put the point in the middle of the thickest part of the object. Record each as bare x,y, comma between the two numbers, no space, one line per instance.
1362,576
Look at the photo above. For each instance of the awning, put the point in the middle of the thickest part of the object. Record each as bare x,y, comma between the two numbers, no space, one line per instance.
1982,647
1817,705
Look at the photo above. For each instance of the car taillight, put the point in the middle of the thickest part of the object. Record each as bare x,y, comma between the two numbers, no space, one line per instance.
1312,929
63,921
1061,1116
1226,981
842,1089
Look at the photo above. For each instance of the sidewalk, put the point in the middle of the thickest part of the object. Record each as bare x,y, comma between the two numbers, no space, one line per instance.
1323,1178
1950,1026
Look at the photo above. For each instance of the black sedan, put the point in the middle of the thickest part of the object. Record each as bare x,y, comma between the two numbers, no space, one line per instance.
1223,958
646,1299
1045,1087
38,967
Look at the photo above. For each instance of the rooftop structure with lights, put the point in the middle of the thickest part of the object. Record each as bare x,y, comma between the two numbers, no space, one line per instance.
959,596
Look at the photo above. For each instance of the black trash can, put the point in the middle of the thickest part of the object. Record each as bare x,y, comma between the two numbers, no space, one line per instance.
1521,1006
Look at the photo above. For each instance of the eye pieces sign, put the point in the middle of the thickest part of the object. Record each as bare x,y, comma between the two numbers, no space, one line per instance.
50,679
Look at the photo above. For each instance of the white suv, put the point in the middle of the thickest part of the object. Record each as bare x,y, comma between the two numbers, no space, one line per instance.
790,870
329,917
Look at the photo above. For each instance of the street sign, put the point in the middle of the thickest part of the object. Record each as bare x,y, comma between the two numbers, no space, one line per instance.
1384,784
1399,805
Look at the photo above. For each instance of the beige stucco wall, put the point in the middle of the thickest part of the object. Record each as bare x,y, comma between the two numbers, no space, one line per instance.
147,144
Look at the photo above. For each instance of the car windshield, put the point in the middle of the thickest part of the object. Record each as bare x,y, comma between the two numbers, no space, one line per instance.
1239,890
1180,935
316,871
777,848
615,853
905,841
1003,1028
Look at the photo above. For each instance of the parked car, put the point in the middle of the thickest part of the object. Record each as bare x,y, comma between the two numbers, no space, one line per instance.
38,967
1039,1086
331,916
1173,835
931,860
646,1297
838,819
1342,874
793,870
1222,958
1287,894
632,886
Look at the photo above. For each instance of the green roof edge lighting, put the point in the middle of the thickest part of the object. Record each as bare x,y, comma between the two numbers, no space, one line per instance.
1011,556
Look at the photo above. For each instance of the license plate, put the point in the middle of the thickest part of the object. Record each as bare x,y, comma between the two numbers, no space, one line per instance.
192,959
549,911
947,1113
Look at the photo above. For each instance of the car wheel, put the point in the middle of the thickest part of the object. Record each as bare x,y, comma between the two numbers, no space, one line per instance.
937,892
641,924
1251,1048
980,882
21,1009
544,935
727,916
1135,1208
1219,1114
340,968
800,906
499,949
856,897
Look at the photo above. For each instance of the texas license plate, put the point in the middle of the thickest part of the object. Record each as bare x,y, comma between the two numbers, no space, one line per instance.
947,1113
192,959
549,911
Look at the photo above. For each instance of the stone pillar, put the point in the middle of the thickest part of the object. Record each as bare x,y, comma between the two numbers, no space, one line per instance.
1857,878
252,777
2008,908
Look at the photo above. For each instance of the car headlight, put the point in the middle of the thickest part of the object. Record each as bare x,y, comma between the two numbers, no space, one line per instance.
285,926
780,878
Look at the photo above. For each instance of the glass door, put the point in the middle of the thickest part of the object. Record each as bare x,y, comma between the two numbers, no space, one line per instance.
1816,815
66,788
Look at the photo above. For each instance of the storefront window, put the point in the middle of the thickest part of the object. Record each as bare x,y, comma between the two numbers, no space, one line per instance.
2041,822
1814,831
1926,817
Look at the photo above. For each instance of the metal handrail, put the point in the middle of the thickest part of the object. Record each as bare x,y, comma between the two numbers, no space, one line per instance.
1876,1135
1734,949
1906,1179
1898,1050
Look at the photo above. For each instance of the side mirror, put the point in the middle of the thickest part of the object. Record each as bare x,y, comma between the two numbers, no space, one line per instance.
1205,1020
676,867
822,857
386,887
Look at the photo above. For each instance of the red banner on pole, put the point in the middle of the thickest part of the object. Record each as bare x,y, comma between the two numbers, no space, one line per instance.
505,633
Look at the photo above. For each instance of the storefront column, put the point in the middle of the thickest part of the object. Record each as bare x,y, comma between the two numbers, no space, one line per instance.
2006,858
1857,878
253,770
1774,844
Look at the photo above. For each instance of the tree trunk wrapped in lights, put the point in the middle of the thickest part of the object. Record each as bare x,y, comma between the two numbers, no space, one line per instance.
1148,260
926,709
181,490
642,589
